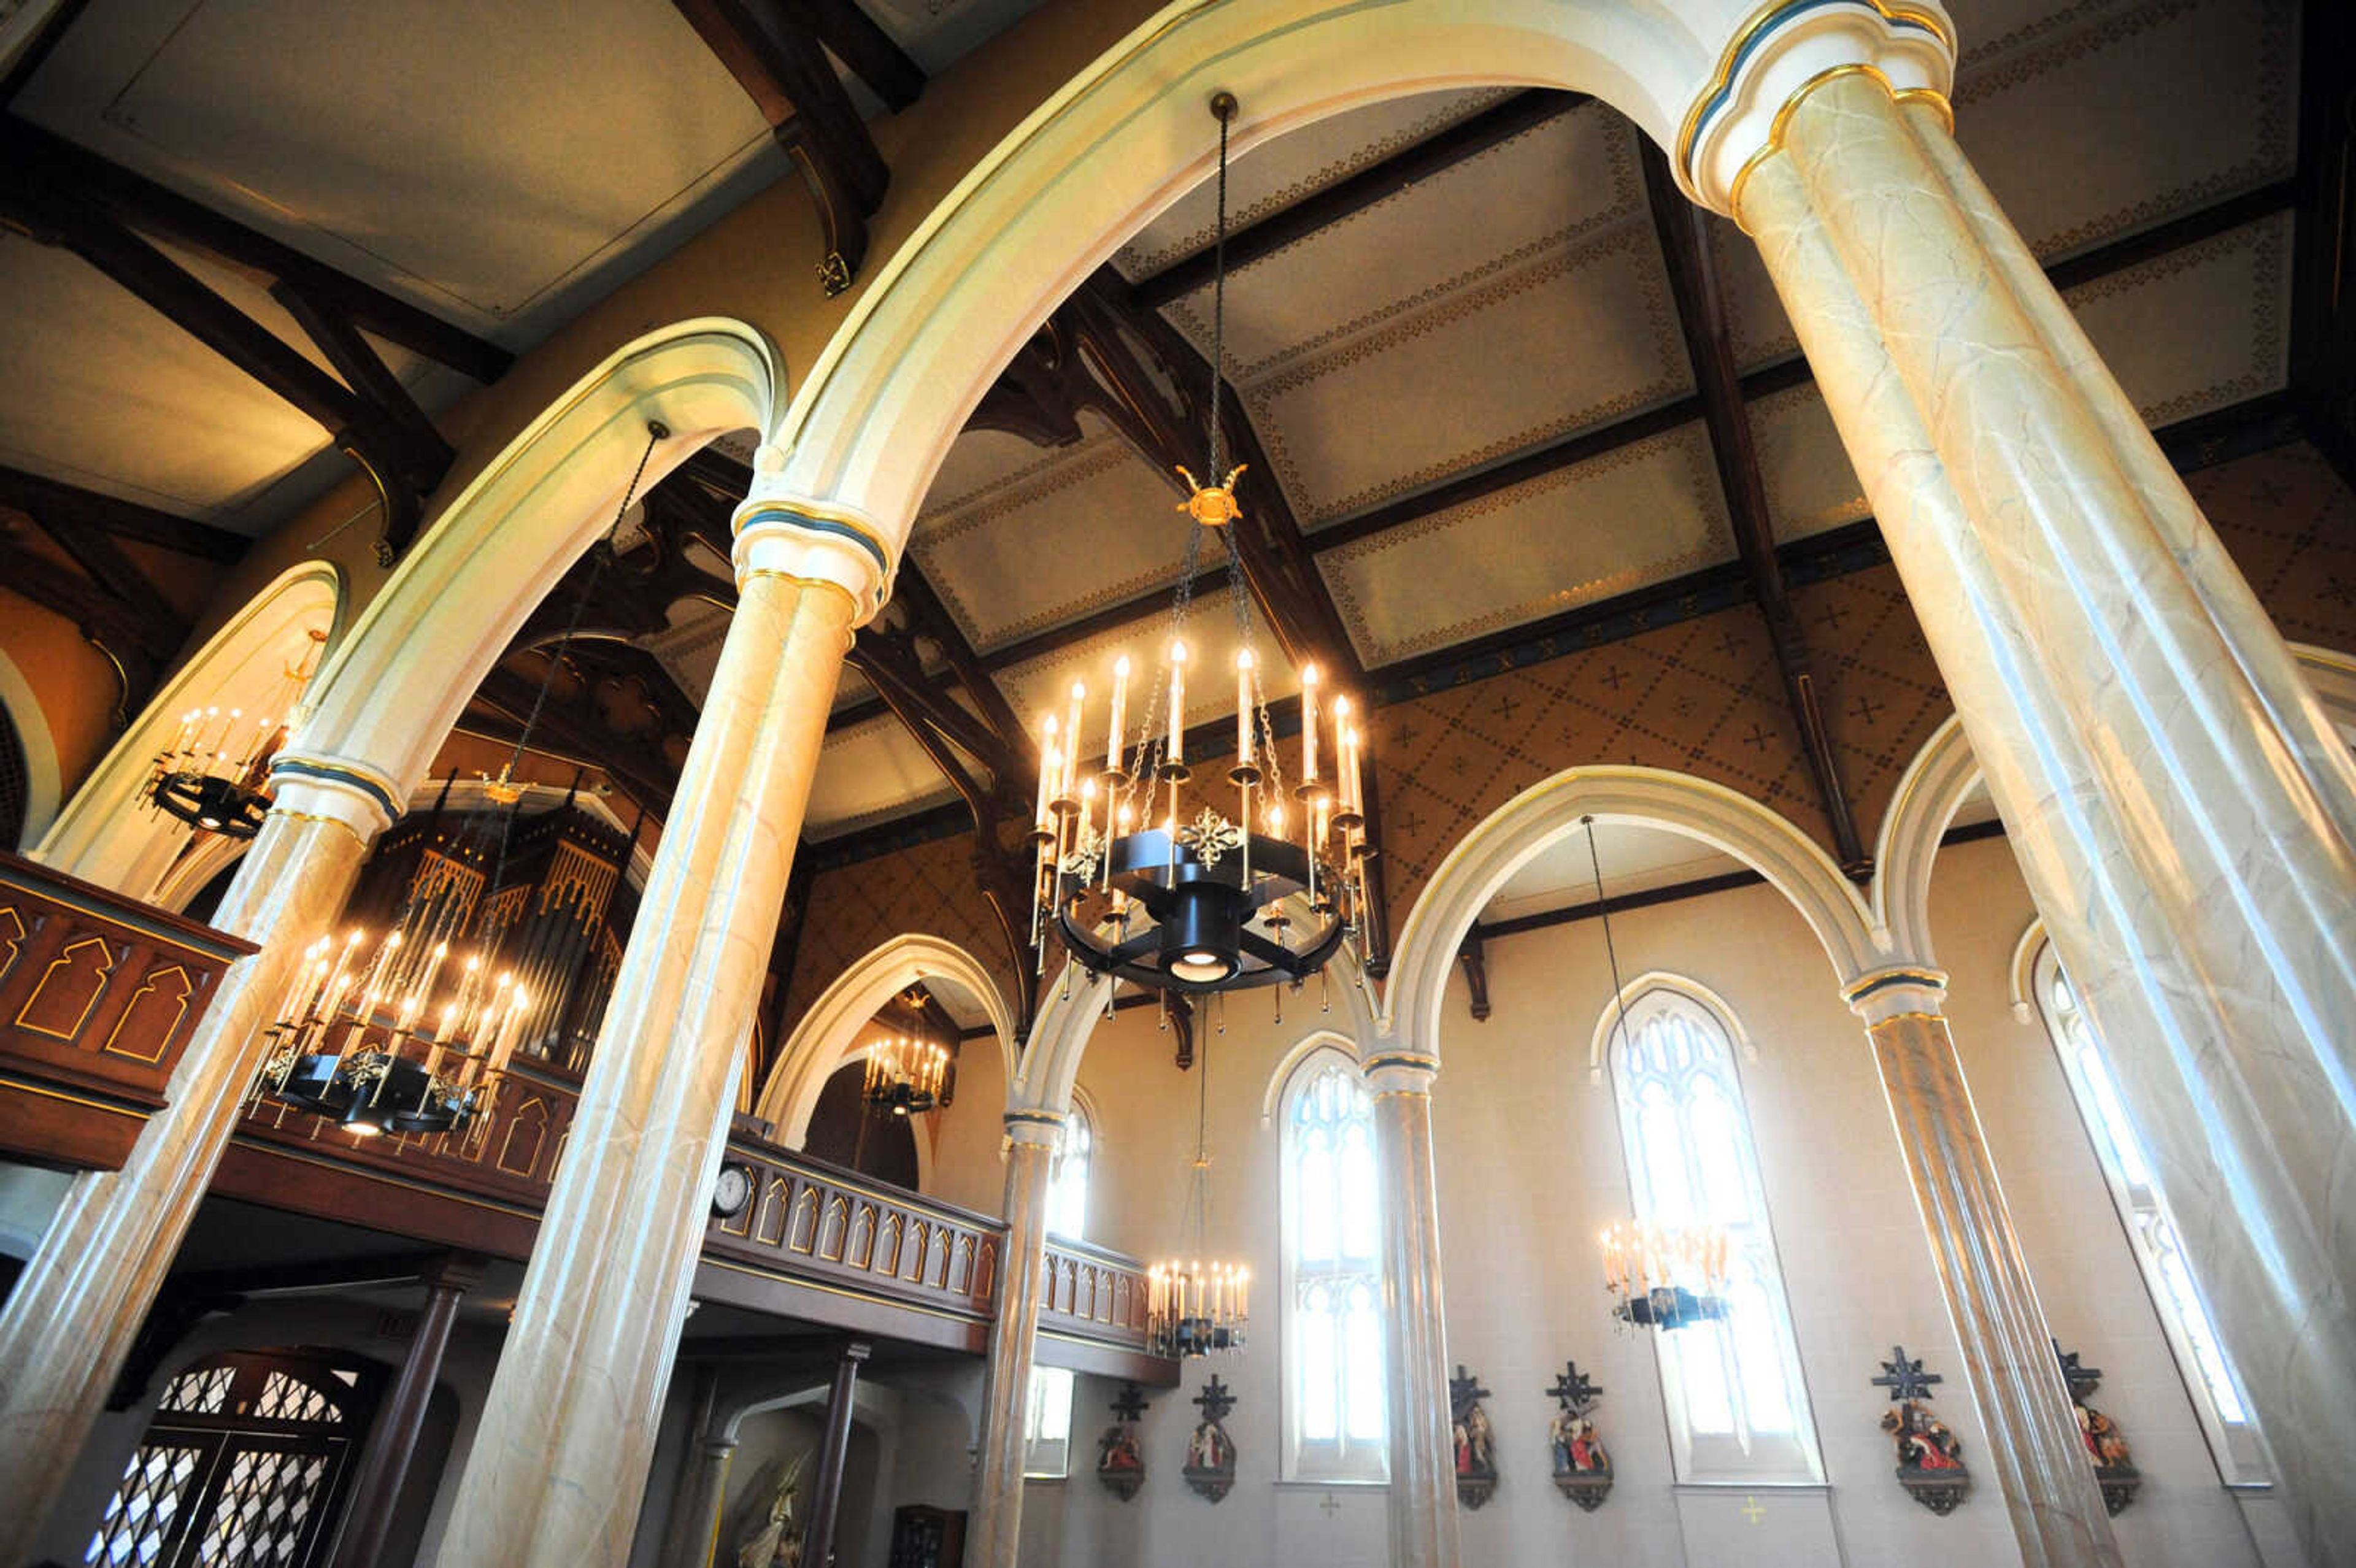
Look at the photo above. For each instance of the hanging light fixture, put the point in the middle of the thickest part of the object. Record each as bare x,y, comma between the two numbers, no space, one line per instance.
1659,1276
905,1075
1139,869
215,776
411,1032
1194,1305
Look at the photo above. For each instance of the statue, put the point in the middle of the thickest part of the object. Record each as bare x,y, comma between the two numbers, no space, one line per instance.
1121,1459
1930,1456
1582,1469
2106,1446
777,1541
1476,1448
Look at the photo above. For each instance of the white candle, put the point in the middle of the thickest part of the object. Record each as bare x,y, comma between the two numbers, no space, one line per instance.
1177,702
1309,723
1047,767
1120,713
1072,730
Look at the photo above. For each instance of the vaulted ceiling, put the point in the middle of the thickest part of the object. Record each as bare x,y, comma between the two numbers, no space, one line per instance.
1495,378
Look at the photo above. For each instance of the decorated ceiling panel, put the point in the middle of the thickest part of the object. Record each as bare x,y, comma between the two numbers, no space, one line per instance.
1810,486
1275,173
2200,328
869,771
1040,686
1034,538
1564,178
1638,516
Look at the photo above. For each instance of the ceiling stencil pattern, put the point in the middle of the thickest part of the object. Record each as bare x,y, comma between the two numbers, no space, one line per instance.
853,909
1645,513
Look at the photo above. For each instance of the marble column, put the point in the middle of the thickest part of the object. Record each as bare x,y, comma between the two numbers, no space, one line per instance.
75,1310
2034,1450
1422,1494
394,1441
2183,814
826,1494
1031,1140
692,1537
559,1463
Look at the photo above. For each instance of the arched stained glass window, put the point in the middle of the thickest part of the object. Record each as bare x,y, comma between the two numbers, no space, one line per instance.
1068,1189
1332,1287
2143,1209
1738,1408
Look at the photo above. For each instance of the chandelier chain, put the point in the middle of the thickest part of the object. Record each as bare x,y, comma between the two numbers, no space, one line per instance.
1603,912
602,553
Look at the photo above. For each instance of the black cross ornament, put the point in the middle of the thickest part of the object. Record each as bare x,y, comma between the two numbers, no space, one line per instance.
1463,1389
2081,1380
1575,1390
1905,1380
1216,1399
1130,1406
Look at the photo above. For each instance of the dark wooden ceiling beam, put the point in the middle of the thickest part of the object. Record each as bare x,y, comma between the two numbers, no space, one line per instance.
137,202
772,50
1700,307
1378,182
873,54
50,499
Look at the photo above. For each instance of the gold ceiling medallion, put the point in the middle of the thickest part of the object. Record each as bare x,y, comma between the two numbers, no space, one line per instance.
1213,505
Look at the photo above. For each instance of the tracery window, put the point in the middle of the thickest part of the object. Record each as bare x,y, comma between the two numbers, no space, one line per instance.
1067,1187
1335,1416
1738,1408
2143,1209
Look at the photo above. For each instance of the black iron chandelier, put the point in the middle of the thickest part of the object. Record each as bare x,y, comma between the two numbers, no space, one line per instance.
1141,869
414,1033
907,1072
215,776
1196,1306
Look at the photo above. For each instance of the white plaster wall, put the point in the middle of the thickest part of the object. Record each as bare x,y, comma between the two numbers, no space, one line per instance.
1529,1170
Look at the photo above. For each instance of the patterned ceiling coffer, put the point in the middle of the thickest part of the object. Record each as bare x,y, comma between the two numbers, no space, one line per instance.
1644,513
2166,105
853,909
1090,525
1574,339
1037,687
1811,487
868,773
2199,328
1566,179
1882,694
2290,526
1276,174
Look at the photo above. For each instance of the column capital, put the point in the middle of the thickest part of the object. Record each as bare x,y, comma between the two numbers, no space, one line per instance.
816,542
1784,50
317,787
1042,1129
1393,1071
1898,990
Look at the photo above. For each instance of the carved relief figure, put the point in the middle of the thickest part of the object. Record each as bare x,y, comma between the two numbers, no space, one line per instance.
1582,1469
1210,1452
2114,1468
1121,1459
1930,1456
1476,1447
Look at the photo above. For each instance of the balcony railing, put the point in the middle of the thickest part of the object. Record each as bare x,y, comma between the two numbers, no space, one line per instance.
99,996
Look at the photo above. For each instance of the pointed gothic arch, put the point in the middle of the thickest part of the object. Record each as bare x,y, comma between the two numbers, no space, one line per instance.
1772,844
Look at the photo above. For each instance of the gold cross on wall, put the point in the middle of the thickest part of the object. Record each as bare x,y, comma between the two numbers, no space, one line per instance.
1752,1510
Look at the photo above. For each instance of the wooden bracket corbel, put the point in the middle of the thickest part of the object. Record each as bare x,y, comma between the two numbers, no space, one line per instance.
1474,955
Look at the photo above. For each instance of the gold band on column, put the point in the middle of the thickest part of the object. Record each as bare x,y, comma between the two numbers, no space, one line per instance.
1798,95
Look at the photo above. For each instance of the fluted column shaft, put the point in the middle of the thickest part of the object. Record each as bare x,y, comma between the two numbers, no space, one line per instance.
559,1465
1033,1139
394,1443
71,1319
1422,1496
2184,815
2035,1452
